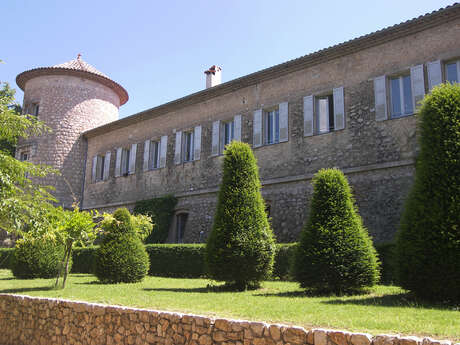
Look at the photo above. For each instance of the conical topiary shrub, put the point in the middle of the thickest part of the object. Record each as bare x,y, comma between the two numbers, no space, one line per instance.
240,248
335,253
428,242
121,257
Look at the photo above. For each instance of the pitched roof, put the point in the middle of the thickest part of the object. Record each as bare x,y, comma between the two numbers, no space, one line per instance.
76,67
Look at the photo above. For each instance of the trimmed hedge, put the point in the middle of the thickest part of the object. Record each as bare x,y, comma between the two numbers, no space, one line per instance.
84,259
387,258
283,261
6,258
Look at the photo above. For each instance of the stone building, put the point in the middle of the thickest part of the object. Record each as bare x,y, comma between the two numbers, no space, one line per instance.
349,106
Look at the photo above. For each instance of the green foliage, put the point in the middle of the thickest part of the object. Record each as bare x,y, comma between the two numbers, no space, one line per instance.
122,257
6,258
387,257
284,257
84,259
240,248
428,243
140,224
161,210
36,257
335,253
176,260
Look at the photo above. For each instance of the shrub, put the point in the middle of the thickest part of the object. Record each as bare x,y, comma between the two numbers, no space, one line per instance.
428,242
84,259
121,258
241,247
387,257
37,258
161,210
335,253
283,261
6,258
176,260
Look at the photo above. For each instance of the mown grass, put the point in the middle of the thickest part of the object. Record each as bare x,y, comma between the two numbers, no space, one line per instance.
384,309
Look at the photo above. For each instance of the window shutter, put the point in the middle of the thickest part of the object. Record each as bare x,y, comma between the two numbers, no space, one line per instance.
163,150
237,134
257,128
132,159
118,162
146,155
177,149
434,73
197,143
284,121
418,84
339,108
215,138
93,173
106,165
308,116
380,94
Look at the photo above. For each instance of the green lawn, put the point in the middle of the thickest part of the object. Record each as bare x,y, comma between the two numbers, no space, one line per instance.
386,309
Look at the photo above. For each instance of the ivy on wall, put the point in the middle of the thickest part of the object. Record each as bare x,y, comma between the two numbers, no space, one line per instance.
161,210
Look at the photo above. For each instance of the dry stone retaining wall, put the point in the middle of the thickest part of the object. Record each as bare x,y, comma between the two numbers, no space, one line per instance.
34,320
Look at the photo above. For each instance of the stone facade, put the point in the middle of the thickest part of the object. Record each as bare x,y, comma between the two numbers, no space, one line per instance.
377,156
52,321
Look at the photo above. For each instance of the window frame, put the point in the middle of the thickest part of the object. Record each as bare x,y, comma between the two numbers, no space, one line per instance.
154,154
330,118
179,235
188,146
400,77
271,125
124,161
230,125
457,65
100,167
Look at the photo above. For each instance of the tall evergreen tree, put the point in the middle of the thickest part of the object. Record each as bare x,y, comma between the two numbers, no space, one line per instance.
428,243
240,248
335,253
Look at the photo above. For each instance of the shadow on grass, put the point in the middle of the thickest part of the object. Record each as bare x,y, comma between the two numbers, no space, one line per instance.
207,289
394,300
8,278
21,290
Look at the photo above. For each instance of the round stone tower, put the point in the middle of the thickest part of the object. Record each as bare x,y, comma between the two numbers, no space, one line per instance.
70,98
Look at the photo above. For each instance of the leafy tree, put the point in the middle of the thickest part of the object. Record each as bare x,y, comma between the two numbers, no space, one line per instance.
335,253
428,242
241,247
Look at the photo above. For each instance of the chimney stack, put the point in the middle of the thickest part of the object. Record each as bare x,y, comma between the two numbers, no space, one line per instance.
213,76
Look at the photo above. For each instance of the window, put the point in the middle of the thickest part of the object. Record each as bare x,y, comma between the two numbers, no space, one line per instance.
24,156
324,114
154,159
401,96
453,71
181,222
100,166
33,109
125,153
188,146
272,127
228,133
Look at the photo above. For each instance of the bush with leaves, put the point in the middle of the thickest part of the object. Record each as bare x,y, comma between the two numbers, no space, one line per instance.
37,257
121,257
428,242
335,253
240,248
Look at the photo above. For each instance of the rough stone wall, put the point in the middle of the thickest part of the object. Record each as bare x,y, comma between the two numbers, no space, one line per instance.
32,320
69,106
377,156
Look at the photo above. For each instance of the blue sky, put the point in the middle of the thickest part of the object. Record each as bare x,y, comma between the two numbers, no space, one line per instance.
158,50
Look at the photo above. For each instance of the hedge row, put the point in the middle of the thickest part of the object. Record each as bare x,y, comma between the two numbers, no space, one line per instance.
187,260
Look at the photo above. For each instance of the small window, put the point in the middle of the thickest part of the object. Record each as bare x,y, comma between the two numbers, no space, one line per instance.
181,222
188,146
100,166
401,96
324,113
228,133
125,153
453,71
154,159
272,127
24,156
34,108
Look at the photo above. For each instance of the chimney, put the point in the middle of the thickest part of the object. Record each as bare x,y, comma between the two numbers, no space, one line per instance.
213,76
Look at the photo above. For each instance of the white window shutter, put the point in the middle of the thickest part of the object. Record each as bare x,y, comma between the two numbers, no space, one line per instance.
237,134
107,165
93,173
284,121
132,159
215,138
197,143
339,108
257,128
163,150
380,94
308,116
146,155
177,149
118,162
418,84
434,73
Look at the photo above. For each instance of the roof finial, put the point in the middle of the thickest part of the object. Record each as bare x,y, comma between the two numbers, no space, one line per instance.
78,56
